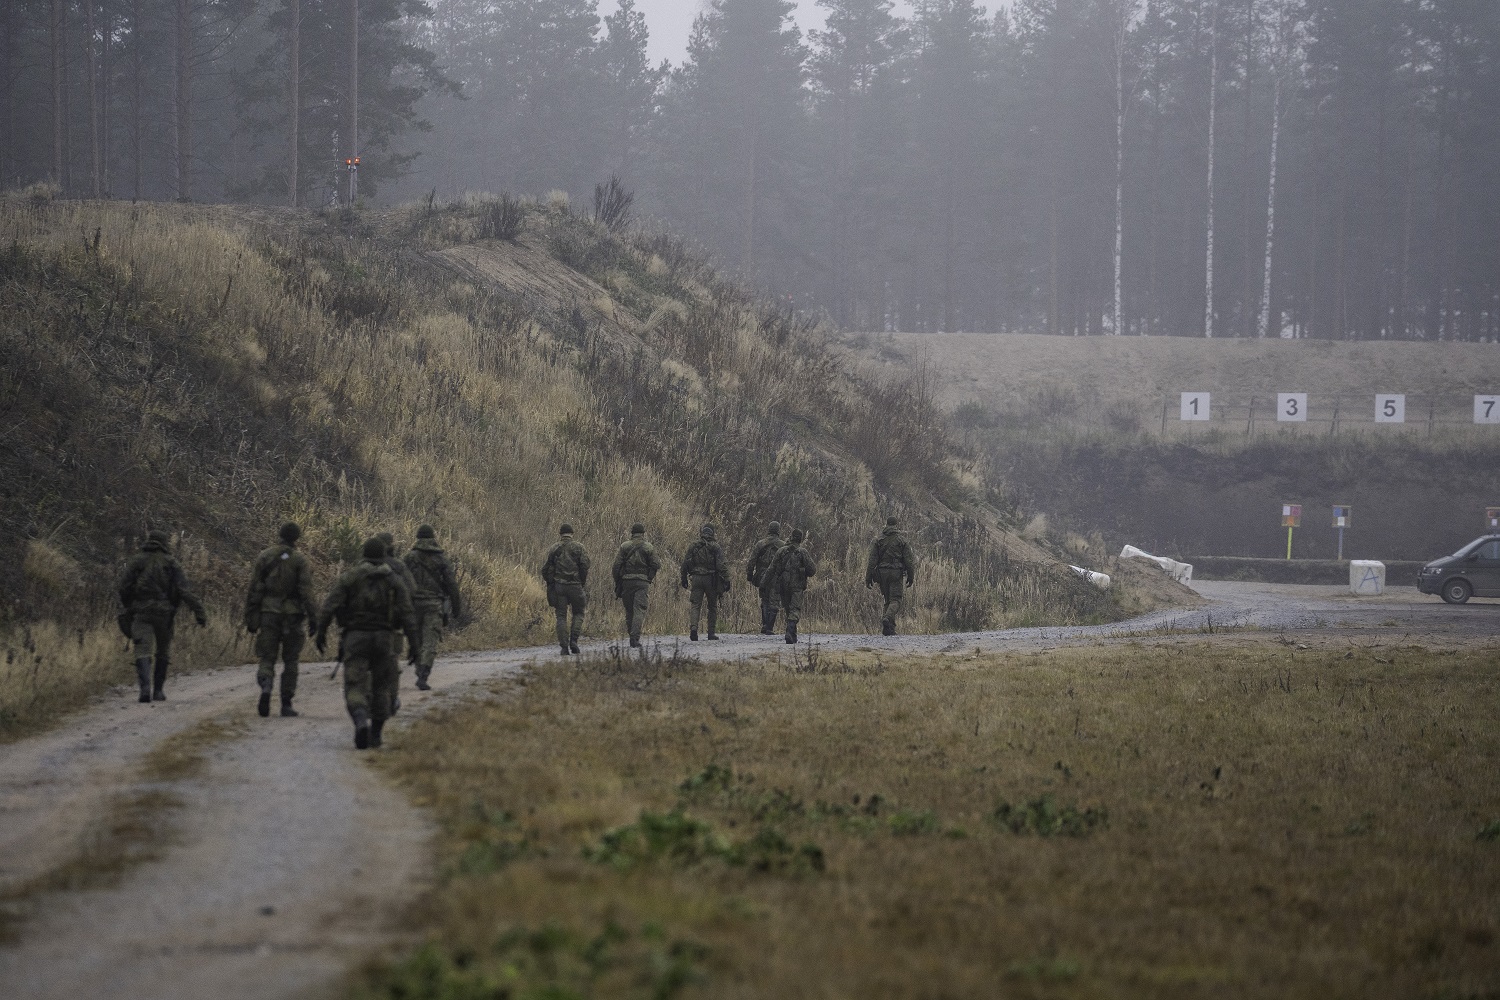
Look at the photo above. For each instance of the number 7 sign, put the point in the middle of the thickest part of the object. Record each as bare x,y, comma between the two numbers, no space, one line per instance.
1487,409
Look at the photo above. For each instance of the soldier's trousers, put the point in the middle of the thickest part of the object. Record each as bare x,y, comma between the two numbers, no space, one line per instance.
633,596
566,596
280,636
151,636
791,603
892,584
769,608
430,632
369,675
704,586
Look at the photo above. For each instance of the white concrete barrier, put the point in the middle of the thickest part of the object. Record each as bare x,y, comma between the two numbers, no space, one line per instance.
1180,571
1366,577
1100,580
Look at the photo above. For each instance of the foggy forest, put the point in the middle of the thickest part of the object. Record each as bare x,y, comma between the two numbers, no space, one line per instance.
1222,168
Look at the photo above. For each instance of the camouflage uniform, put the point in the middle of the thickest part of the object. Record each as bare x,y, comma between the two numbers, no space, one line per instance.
151,589
892,566
755,570
788,573
705,574
430,569
636,566
279,610
371,604
566,573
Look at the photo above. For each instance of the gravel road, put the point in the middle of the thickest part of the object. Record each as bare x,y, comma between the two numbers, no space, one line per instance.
289,860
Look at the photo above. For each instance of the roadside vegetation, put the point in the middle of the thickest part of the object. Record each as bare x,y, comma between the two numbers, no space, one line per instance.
1175,820
493,366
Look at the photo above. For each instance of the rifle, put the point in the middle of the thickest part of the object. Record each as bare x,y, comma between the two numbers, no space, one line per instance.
338,658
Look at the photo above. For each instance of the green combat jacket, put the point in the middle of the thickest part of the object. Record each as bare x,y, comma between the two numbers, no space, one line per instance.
891,551
635,560
280,584
790,569
760,558
153,582
369,597
566,564
430,568
705,557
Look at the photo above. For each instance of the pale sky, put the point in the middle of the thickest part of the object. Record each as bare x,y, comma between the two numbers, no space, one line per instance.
671,21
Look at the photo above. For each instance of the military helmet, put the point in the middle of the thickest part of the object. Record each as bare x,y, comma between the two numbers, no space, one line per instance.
891,522
388,540
637,528
159,536
774,529
425,531
374,548
796,535
566,529
289,533
707,531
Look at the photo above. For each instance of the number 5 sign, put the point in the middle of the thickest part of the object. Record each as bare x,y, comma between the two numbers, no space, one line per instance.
1291,406
1487,409
1195,406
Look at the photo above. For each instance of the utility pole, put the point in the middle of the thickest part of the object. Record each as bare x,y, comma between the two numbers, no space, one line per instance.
1213,107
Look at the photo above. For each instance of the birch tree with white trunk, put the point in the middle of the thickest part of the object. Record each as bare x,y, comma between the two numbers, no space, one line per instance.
1213,107
1278,70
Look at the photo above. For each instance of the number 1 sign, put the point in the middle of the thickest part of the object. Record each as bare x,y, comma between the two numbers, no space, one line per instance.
1487,409
1195,406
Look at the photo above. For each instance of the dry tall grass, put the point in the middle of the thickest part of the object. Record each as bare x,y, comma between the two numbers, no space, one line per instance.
1169,821
217,370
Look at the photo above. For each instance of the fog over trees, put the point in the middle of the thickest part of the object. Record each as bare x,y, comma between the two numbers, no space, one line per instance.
1230,168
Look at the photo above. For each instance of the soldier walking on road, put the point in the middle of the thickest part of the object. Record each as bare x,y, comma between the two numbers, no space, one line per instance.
371,604
892,566
151,589
705,574
432,574
566,573
788,574
278,608
635,568
399,568
755,570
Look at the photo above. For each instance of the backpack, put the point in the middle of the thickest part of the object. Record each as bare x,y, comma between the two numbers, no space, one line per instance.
636,561
424,569
279,579
156,579
372,595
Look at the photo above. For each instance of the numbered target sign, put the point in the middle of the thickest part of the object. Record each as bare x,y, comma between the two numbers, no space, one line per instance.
1390,409
1487,409
1291,515
1291,406
1195,406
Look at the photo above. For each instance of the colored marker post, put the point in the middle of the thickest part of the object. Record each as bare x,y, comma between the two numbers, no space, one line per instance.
1291,517
1343,517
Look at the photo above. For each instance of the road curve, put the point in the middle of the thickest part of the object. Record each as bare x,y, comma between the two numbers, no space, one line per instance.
291,860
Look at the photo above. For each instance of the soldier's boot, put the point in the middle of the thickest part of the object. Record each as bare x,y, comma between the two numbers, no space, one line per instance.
287,711
565,649
361,730
143,675
635,642
159,680
887,627
573,647
713,626
693,634
791,633
376,728
422,684
767,622
264,705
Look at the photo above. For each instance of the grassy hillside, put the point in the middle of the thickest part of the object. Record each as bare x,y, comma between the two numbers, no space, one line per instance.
1072,428
215,370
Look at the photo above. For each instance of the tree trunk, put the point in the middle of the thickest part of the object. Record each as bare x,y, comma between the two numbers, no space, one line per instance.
1121,30
1153,176
137,71
1246,200
1265,288
294,80
106,94
8,142
92,50
55,42
749,260
354,98
183,117
1213,102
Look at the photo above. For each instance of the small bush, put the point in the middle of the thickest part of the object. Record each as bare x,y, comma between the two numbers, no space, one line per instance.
501,219
1043,818
612,204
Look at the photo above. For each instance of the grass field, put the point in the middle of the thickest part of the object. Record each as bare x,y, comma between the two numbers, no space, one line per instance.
1121,383
1137,821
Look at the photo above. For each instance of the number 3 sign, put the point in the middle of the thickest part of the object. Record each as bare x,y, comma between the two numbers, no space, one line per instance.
1291,406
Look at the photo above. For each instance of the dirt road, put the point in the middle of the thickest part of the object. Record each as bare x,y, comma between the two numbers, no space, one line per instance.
287,860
